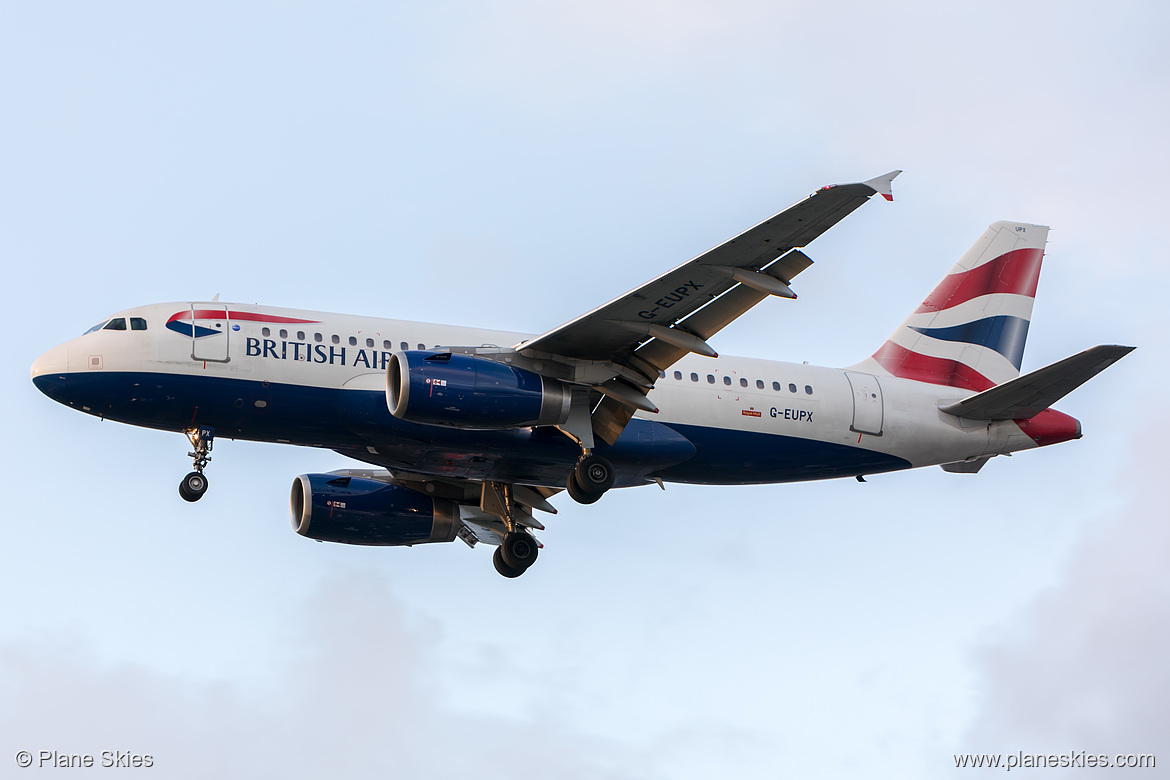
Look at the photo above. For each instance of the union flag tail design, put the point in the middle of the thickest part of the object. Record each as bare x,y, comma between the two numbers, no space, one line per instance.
970,331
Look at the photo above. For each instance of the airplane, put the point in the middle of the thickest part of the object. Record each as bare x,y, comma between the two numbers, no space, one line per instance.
472,431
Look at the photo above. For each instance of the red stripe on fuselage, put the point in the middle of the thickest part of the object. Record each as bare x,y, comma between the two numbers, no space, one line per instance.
1016,272
903,363
218,314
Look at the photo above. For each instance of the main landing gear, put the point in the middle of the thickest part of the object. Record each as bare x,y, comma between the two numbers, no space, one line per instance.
587,482
589,479
516,554
518,548
194,485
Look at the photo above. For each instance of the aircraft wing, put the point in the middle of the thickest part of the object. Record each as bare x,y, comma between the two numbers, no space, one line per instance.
645,331
617,328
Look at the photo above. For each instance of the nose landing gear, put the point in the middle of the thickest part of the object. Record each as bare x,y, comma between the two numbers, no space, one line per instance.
194,485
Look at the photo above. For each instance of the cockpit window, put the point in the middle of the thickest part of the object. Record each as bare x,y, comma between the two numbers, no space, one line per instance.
97,327
118,323
137,323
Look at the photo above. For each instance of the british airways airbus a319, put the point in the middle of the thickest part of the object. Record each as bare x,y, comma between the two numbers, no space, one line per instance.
473,431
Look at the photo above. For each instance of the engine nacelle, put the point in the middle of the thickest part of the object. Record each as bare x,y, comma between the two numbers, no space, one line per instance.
352,510
463,391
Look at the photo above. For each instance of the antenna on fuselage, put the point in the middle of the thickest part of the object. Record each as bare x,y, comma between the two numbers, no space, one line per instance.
216,298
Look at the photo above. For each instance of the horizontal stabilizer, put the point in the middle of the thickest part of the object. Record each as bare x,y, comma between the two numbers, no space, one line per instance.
1026,396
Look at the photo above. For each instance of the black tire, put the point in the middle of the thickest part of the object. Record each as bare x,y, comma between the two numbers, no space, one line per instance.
193,486
577,493
502,566
594,474
519,550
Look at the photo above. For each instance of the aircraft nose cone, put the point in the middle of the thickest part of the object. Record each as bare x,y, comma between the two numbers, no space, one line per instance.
48,372
54,361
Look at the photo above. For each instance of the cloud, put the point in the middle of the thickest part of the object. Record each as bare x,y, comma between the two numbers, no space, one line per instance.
361,696
1084,666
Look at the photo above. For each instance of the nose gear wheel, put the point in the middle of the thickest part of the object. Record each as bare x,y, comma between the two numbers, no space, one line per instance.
194,485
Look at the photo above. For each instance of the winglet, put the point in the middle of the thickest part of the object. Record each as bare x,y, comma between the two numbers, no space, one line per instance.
881,184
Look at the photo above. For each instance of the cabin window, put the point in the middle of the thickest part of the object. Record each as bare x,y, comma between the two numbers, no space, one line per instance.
791,387
422,346
710,379
776,386
99,326
370,343
336,339
118,323
266,332
727,381
317,337
808,389
137,323
283,333
300,335
386,345
678,375
353,341
742,382
694,377
404,345
759,384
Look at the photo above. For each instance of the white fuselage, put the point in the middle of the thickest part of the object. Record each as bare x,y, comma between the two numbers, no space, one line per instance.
826,422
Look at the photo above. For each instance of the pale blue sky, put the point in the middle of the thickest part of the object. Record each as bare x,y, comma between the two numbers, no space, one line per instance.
512,165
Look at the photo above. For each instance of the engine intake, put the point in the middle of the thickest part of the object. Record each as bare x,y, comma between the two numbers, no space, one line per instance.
352,510
463,391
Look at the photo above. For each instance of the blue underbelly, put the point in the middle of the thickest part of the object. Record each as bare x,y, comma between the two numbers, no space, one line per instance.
358,423
728,457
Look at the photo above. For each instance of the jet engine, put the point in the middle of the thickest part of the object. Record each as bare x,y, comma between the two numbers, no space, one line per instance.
463,391
352,510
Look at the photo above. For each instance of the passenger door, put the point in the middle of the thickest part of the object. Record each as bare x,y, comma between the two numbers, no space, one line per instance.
209,332
868,409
